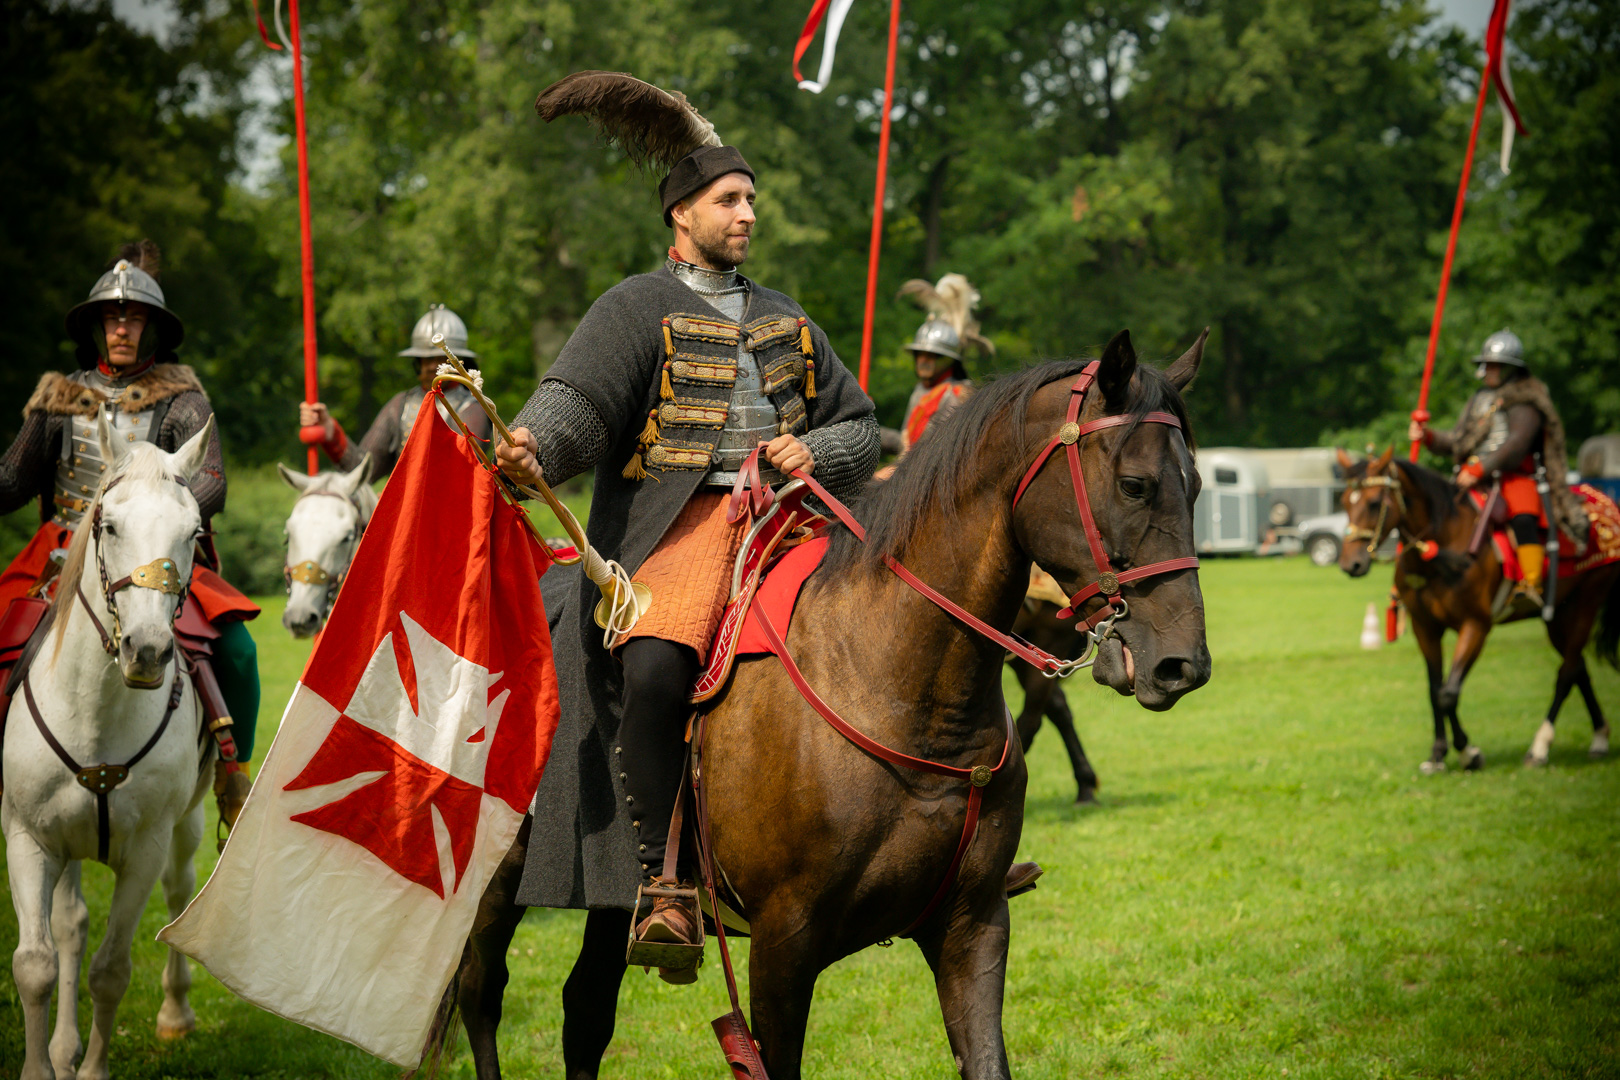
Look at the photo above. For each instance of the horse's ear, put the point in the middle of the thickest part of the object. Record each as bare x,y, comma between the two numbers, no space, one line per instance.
1183,370
294,480
1383,461
188,460
1115,371
1346,462
112,452
355,478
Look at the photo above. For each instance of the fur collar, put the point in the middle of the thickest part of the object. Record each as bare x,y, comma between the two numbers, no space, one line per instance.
73,395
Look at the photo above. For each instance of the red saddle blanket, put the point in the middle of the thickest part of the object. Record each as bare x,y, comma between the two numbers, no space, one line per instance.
739,635
1602,541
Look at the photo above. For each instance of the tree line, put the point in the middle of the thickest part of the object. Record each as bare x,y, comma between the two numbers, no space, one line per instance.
1279,170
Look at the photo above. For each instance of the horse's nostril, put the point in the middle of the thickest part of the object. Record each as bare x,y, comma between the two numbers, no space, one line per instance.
1175,672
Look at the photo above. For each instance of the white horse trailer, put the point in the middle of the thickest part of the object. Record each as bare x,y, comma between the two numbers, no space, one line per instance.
1304,483
1230,515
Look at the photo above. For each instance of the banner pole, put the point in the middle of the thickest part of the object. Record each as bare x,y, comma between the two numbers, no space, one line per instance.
1421,413
309,435
877,198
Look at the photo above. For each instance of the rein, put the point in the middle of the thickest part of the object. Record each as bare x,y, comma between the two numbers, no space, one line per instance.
310,572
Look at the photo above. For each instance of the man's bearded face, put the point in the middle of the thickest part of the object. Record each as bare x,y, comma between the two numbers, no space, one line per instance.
720,220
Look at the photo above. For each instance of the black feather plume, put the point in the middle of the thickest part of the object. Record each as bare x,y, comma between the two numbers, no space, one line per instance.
649,124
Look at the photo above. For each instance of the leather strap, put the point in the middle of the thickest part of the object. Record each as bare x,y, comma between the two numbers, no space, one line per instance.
108,646
750,493
120,772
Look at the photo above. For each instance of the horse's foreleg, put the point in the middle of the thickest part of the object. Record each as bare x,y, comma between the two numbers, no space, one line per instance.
70,926
969,960
1470,641
483,976
591,994
137,871
1428,637
784,960
33,873
1057,711
175,1017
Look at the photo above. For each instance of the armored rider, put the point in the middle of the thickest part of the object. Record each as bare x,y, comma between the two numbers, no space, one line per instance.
1507,426
936,352
666,386
386,436
125,338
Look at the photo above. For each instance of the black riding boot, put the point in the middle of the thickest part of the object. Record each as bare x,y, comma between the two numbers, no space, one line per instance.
651,749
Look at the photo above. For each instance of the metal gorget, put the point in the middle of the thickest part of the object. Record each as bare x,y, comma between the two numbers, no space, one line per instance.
457,397
752,416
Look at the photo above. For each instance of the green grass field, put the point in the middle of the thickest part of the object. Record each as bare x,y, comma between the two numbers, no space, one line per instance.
1267,888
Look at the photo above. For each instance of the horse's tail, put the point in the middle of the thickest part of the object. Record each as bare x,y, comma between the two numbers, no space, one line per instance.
441,1040
1608,634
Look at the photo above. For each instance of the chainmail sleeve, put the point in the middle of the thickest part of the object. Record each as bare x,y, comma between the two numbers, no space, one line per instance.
845,454
571,434
27,469
188,412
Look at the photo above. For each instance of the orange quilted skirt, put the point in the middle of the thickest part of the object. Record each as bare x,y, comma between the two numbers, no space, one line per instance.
689,573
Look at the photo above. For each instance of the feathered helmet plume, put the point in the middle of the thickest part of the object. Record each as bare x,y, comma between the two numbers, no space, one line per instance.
651,125
951,301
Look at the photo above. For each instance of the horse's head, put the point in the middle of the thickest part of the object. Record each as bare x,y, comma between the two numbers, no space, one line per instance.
1140,484
322,535
1372,499
138,538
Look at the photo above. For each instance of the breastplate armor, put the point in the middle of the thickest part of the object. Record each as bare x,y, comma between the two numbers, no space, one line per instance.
457,397
1497,434
80,469
750,420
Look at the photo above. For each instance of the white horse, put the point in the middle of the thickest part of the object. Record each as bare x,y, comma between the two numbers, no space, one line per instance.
107,694
323,532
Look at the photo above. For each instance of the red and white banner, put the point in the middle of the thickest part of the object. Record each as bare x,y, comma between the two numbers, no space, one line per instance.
834,11
401,772
1496,66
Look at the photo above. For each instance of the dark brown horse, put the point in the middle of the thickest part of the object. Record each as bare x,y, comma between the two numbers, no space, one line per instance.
1044,697
832,850
1455,591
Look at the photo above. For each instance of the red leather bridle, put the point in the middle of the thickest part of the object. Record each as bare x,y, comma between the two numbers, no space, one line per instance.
1069,436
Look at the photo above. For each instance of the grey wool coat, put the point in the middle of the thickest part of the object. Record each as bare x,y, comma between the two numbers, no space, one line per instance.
624,357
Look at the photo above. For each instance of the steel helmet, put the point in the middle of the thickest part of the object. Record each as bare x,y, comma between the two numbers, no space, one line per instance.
939,337
1502,347
440,320
125,283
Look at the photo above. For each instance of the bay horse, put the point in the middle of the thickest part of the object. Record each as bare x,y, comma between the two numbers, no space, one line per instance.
106,757
1451,590
832,850
323,532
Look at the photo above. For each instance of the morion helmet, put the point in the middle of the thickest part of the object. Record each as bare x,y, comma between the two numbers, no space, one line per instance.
939,337
132,279
1502,347
440,320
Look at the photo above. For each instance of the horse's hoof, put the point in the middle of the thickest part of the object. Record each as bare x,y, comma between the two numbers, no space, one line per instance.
1600,744
1533,761
1087,795
1473,759
1432,768
169,1032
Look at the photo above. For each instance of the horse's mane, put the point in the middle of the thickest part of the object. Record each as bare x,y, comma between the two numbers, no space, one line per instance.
1440,493
938,469
145,464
